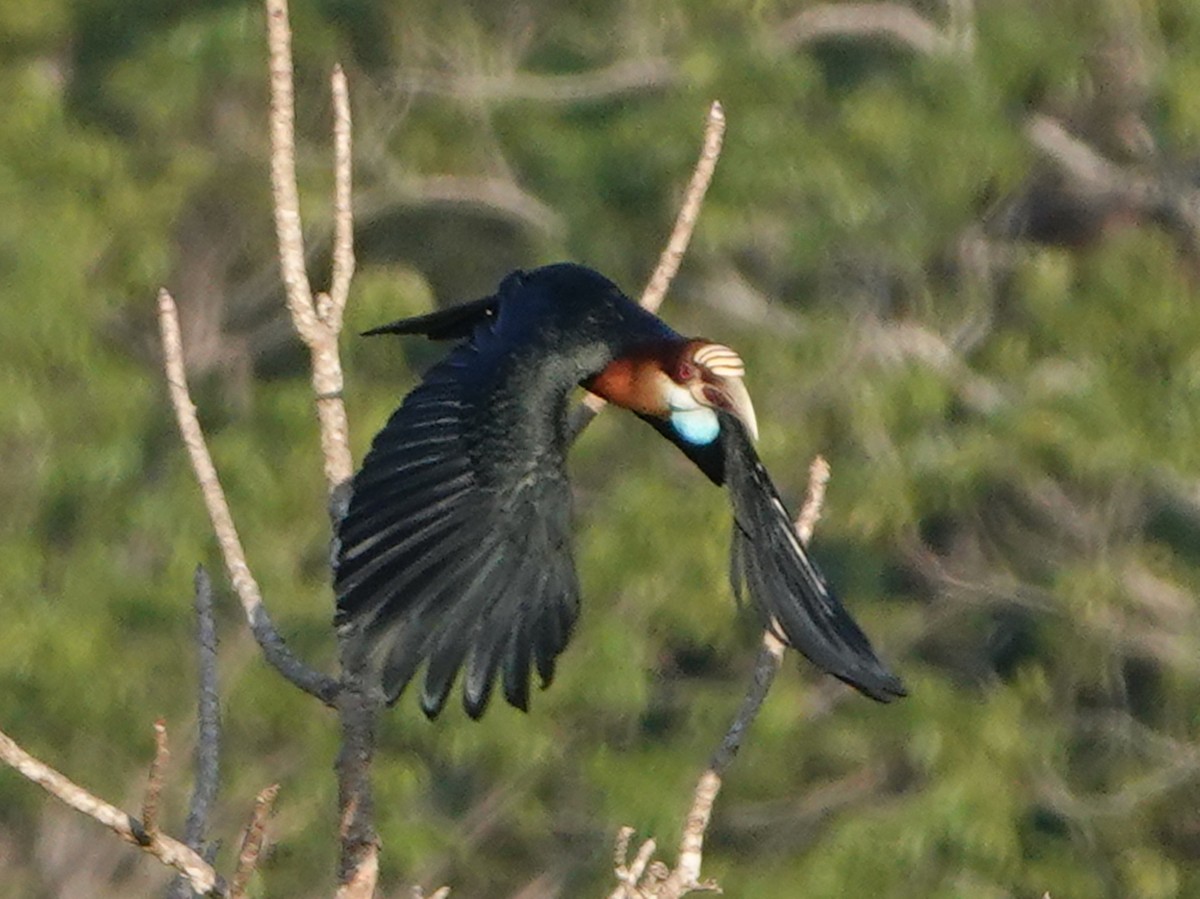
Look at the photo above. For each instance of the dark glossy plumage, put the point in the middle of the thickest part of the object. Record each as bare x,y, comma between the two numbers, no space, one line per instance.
456,549
770,565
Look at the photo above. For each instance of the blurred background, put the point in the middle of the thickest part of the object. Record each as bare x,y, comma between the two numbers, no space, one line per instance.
957,245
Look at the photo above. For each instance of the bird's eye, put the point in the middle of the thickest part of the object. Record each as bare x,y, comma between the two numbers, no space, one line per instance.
685,372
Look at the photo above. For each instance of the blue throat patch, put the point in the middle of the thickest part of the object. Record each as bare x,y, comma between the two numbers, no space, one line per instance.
698,427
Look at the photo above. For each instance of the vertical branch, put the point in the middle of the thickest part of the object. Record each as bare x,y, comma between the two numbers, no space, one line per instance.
672,255
288,228
318,320
275,651
154,782
200,873
208,736
252,842
689,211
358,709
343,215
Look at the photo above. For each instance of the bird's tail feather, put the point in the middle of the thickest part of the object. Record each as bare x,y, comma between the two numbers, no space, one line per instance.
452,323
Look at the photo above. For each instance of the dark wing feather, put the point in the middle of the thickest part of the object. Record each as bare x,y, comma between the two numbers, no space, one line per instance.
784,585
451,323
454,322
445,562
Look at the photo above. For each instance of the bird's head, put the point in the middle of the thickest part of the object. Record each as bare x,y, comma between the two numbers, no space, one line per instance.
684,383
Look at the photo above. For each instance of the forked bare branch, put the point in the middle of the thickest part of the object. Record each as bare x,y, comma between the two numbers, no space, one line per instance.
685,877
199,873
244,584
318,319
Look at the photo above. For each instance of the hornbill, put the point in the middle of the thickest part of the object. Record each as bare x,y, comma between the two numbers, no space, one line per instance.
456,549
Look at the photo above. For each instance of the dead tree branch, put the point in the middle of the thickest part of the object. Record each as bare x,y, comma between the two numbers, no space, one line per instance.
252,842
685,877
244,584
154,782
199,873
208,732
318,319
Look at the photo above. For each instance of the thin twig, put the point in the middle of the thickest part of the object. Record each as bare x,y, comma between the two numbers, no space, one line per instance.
814,499
252,842
630,874
208,727
677,244
154,782
318,320
274,649
343,216
200,874
685,877
288,226
689,211
208,736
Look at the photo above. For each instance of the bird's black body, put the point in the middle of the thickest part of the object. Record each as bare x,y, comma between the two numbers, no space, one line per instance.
456,547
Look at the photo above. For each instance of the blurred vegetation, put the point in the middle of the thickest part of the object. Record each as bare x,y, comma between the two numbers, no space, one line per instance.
1005,377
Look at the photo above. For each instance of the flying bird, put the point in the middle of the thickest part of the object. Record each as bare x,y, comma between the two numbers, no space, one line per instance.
456,549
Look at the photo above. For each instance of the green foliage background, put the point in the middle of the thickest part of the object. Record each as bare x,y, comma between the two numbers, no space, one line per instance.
1014,516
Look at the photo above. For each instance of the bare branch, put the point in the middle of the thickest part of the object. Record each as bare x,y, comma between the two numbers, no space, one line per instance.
814,500
677,244
154,782
343,216
252,842
208,742
171,852
689,211
359,863
362,877
318,322
357,710
274,649
685,878
630,874
208,737
288,226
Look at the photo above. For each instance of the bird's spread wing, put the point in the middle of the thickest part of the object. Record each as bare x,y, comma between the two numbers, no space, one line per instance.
443,560
784,585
